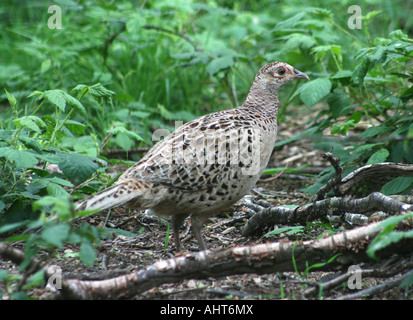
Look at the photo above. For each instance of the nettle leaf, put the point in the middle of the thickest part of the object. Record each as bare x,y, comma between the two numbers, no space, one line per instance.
56,191
397,185
77,167
56,97
97,90
21,158
31,143
313,91
31,122
60,99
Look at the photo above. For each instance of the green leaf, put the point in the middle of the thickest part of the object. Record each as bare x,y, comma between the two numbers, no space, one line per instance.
32,122
21,158
343,128
338,101
286,230
397,185
31,143
60,205
55,190
87,254
60,98
56,97
77,167
11,98
219,64
387,236
379,156
289,23
272,171
313,91
97,90
56,234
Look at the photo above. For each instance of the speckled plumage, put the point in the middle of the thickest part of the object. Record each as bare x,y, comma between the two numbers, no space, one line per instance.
207,164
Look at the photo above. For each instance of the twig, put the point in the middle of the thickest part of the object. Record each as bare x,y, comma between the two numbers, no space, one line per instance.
335,162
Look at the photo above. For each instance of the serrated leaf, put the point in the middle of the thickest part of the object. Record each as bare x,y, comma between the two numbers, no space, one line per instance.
56,97
313,91
361,70
31,143
56,234
97,90
77,167
32,122
379,156
21,158
55,190
60,98
397,185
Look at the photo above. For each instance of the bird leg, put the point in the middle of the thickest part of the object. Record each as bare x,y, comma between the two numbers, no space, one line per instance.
177,221
197,222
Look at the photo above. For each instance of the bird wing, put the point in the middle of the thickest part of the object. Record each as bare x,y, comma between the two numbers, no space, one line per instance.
197,156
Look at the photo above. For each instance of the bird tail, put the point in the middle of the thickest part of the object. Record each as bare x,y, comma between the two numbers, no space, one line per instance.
109,198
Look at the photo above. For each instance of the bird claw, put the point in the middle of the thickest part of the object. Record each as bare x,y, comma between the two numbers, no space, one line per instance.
252,205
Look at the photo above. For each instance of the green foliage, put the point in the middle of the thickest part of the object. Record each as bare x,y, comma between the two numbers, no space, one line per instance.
388,235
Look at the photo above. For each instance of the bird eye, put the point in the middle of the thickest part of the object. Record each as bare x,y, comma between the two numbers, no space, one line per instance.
281,71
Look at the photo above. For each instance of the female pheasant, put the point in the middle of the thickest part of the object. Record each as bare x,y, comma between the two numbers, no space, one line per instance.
207,164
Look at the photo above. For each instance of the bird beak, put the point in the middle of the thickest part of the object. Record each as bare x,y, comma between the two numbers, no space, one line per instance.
300,75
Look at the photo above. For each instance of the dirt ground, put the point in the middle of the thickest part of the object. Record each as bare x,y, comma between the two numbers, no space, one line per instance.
120,254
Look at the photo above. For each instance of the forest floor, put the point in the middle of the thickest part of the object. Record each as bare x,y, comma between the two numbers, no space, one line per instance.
121,254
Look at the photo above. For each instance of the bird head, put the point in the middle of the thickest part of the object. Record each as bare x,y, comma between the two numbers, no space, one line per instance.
274,75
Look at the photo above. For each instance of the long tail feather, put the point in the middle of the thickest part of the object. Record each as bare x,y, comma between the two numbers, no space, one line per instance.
109,198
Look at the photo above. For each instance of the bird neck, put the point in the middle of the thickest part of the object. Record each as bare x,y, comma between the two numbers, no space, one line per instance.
262,101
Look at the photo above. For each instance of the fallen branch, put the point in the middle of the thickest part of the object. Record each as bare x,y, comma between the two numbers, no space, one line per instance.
261,258
267,217
373,170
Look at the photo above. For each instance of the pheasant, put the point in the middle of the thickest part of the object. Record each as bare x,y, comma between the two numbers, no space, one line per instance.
207,164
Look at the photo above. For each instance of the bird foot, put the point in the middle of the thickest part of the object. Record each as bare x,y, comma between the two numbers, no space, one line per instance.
252,205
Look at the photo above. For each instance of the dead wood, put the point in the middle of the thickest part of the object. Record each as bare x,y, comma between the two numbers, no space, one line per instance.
261,258
268,217
385,169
